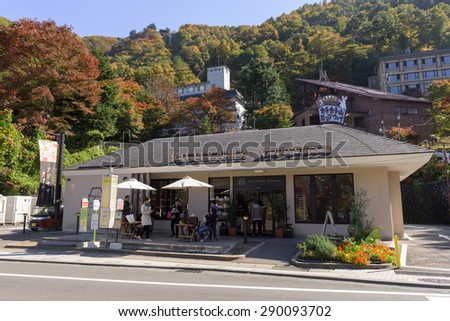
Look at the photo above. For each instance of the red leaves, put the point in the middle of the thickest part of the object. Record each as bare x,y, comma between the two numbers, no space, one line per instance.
48,73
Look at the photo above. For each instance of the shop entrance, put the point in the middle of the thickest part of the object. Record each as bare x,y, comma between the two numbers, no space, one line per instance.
262,188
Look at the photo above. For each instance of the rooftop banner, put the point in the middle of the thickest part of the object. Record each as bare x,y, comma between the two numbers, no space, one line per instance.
48,154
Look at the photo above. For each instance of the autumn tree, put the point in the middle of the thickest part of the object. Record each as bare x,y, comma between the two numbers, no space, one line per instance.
273,116
439,95
48,77
215,105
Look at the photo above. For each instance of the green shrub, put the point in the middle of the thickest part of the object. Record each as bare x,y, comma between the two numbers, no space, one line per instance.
317,247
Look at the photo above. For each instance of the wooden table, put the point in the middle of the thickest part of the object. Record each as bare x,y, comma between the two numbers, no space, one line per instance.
129,229
186,231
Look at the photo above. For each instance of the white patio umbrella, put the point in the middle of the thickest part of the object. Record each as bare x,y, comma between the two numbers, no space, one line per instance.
187,183
133,183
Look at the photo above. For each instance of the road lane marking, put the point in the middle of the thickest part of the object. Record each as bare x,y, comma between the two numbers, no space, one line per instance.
408,237
221,286
444,236
403,254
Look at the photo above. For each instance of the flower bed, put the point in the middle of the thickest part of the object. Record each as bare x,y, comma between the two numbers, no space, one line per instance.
358,252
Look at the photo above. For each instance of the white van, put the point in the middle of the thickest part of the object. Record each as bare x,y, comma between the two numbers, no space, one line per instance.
440,156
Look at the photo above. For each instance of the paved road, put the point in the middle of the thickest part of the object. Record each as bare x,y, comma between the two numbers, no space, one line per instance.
35,281
428,246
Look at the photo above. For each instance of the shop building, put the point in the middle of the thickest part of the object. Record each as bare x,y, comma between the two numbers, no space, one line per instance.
315,168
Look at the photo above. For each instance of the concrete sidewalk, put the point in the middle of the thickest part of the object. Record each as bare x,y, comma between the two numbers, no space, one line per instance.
261,255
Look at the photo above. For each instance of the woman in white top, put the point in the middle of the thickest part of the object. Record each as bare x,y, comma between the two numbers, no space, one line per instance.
146,219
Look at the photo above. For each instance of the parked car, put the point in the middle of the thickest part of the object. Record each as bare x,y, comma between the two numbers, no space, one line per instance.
42,218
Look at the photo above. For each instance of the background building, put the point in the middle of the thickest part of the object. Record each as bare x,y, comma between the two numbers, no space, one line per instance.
412,73
367,109
218,76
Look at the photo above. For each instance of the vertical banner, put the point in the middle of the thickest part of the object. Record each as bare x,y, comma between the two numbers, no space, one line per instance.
109,195
48,153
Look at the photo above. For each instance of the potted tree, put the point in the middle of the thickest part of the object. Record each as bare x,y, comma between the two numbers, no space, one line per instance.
279,213
232,217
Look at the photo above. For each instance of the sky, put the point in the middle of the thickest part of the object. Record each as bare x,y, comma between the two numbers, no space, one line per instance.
117,18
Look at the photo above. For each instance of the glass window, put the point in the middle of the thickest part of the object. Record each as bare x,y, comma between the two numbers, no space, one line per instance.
180,90
429,61
163,199
412,76
445,60
394,78
220,192
190,89
392,65
395,89
430,74
427,86
406,110
412,86
413,111
317,194
410,64
201,88
401,110
446,73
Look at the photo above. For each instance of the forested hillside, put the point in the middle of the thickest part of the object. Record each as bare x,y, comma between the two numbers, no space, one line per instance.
98,89
348,36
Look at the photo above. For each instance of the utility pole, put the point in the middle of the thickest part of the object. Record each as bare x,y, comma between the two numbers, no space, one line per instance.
58,200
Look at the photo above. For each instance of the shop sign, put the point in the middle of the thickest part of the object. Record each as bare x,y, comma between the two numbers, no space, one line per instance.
332,109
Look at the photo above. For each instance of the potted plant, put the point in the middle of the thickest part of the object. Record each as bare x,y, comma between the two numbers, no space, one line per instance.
289,231
279,214
232,217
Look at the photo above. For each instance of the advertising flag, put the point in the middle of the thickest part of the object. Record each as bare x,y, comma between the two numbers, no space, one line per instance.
48,153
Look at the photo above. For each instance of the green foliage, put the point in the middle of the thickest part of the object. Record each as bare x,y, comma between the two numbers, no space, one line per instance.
274,116
261,85
71,159
359,226
206,126
317,247
439,95
279,210
433,171
19,166
232,212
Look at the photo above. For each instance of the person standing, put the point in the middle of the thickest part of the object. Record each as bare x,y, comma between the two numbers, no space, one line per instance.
146,219
256,217
175,219
126,208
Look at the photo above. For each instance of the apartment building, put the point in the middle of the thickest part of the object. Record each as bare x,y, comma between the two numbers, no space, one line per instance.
411,73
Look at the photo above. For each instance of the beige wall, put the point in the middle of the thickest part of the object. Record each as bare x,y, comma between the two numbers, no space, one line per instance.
395,197
376,182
